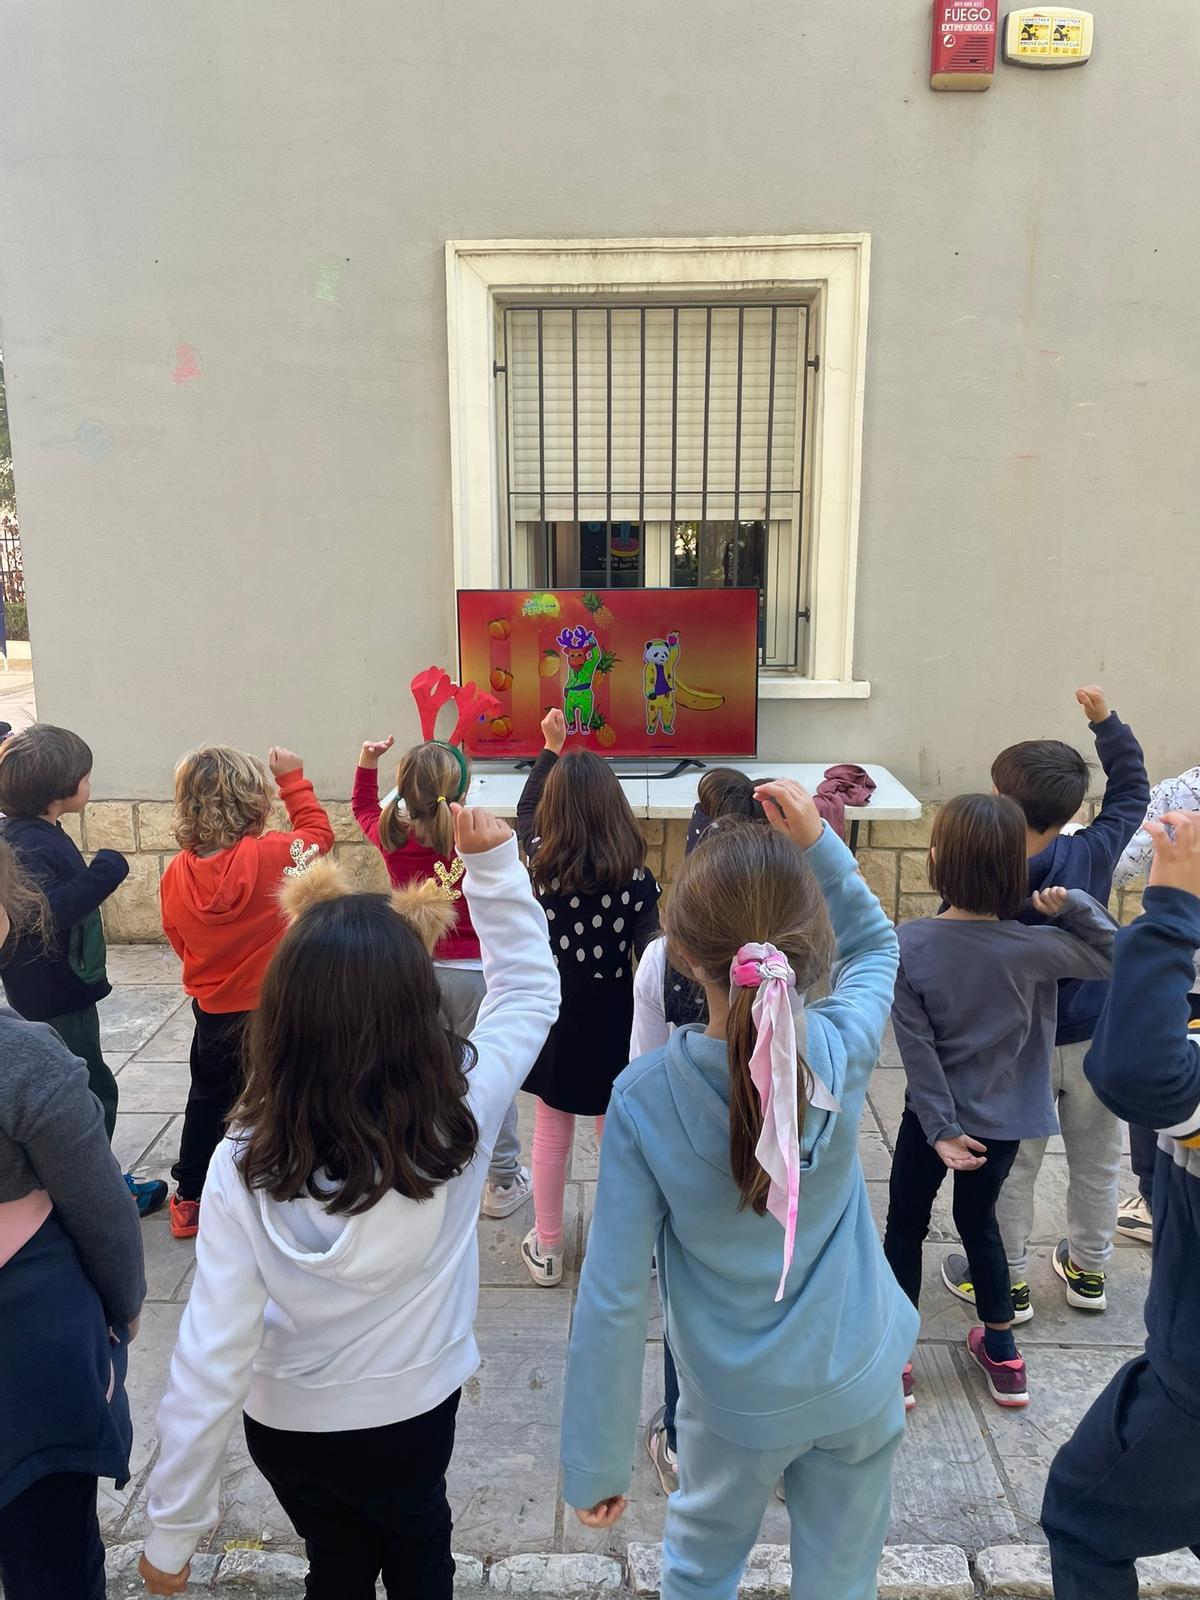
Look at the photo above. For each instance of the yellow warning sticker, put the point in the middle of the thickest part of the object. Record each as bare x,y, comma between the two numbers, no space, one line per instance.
1035,35
1066,36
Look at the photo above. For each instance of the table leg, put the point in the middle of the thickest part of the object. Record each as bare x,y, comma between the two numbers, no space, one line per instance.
854,836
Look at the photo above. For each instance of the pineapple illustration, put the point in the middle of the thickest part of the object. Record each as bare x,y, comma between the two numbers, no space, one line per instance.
602,617
606,734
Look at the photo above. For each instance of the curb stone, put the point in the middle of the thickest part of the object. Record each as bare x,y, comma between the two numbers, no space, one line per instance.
255,1570
555,1575
1022,1572
906,1572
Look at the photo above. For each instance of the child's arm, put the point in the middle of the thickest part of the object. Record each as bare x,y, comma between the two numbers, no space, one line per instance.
927,1086
73,898
522,996
650,1028
530,795
1127,790
58,1123
1139,852
645,921
608,1335
1086,949
305,812
210,1375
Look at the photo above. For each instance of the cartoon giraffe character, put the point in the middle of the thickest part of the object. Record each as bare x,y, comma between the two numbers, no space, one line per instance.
582,650
658,682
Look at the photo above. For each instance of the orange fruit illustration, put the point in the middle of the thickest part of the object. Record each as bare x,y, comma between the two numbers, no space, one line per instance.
499,628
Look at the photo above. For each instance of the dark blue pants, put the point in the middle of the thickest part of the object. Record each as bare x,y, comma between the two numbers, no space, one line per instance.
670,1393
1124,1486
50,1545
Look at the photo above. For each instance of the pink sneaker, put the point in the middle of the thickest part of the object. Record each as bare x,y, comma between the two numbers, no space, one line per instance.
1005,1379
906,1378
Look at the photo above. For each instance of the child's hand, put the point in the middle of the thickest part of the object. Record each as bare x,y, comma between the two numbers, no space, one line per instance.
1176,863
373,749
963,1154
1091,698
554,730
605,1515
790,809
163,1582
477,830
282,761
1050,902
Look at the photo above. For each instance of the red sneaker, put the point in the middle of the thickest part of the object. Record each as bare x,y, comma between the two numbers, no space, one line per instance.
1005,1379
185,1217
906,1378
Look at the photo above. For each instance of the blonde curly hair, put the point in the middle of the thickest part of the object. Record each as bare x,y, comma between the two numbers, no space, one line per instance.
221,797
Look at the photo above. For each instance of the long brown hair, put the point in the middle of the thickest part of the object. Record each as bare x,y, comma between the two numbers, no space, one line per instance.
28,913
745,884
351,1072
587,836
977,858
429,778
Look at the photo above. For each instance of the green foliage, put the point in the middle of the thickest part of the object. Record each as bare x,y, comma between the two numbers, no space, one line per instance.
16,620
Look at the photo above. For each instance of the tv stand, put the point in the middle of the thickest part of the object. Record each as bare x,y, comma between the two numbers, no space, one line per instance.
676,771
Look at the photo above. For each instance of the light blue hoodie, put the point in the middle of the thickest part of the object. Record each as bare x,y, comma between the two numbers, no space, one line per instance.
829,1355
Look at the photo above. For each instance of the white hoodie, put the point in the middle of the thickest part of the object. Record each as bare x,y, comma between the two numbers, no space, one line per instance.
318,1323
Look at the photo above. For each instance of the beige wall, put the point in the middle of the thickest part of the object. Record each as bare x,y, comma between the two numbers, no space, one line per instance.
262,553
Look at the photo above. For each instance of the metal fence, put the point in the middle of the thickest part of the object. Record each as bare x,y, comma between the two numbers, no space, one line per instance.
12,570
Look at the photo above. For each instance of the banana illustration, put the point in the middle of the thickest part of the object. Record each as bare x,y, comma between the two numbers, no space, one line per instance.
697,699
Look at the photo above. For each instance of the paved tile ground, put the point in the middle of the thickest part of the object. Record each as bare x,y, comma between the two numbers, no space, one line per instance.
968,1474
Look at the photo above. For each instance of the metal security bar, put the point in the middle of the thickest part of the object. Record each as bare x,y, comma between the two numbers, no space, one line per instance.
650,444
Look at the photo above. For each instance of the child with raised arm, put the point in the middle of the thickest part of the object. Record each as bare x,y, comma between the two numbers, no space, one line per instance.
587,858
58,973
1048,780
732,1152
974,1015
414,833
220,912
1126,1484
337,1272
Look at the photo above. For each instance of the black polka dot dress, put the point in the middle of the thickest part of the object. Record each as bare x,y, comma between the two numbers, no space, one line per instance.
594,938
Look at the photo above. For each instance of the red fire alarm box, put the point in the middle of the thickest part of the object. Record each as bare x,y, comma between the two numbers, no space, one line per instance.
964,45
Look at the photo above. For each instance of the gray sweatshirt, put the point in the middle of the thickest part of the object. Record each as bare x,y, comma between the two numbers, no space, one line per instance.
975,1011
52,1139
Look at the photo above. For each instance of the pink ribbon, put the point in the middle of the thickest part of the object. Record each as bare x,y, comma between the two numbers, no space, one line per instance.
774,1069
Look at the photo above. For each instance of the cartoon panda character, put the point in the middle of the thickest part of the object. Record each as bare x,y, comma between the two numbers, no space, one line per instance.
658,682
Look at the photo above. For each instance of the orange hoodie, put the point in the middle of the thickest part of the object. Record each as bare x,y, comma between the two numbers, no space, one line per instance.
221,913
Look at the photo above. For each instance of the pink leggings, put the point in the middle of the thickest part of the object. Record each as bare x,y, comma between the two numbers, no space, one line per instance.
553,1135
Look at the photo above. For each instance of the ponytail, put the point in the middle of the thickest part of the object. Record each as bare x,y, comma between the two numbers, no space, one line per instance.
429,778
745,1108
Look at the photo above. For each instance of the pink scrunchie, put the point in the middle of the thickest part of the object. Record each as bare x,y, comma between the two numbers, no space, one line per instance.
774,1069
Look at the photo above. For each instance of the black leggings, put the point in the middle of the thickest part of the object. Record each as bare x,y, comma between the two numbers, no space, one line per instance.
367,1501
217,1077
50,1545
917,1173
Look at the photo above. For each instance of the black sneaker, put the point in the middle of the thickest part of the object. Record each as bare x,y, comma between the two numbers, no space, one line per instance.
956,1275
1085,1290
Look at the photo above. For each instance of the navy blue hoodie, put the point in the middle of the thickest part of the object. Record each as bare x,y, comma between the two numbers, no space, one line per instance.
1145,1067
1086,860
42,983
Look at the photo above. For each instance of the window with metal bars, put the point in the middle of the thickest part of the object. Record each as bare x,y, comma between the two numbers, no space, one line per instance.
660,445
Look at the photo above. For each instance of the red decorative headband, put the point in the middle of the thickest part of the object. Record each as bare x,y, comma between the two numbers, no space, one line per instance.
433,688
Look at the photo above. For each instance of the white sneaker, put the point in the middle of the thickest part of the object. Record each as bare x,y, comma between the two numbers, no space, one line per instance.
1134,1220
502,1199
544,1266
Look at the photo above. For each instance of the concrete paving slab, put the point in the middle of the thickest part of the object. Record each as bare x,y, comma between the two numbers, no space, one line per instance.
143,963
172,1039
133,1013
135,1132
154,1085
500,1261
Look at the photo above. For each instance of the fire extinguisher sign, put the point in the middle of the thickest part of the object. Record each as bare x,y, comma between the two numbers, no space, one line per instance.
964,45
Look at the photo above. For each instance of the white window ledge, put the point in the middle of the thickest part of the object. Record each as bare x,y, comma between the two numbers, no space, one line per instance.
786,686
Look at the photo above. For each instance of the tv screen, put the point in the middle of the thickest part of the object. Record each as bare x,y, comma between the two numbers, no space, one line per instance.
661,674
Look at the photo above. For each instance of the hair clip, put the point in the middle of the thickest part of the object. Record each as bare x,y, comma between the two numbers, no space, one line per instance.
302,859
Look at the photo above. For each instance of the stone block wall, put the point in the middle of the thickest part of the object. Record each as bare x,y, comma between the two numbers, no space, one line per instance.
892,856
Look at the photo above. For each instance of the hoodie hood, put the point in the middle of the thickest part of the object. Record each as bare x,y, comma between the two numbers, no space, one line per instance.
219,888
698,1075
371,1251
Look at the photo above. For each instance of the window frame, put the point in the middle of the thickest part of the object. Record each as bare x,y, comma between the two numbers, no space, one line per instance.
832,271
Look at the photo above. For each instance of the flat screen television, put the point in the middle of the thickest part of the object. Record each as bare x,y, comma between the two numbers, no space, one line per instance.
648,674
